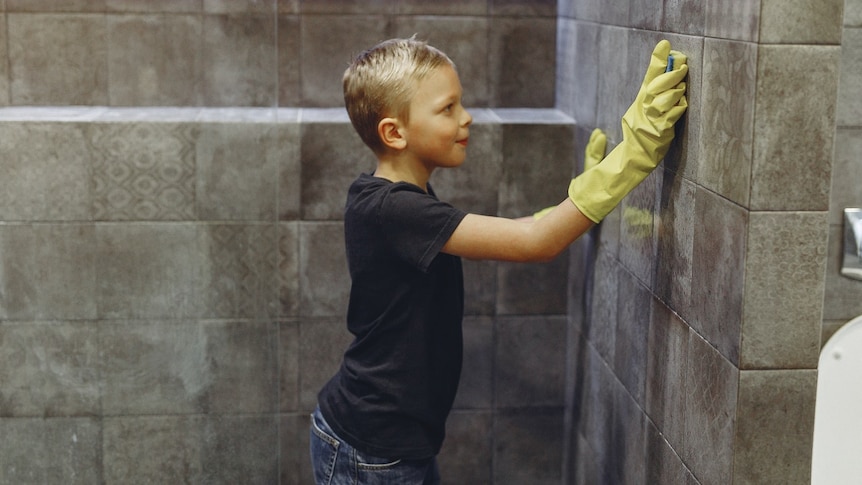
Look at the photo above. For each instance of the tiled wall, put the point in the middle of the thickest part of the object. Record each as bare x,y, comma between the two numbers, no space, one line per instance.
260,53
843,299
696,359
173,285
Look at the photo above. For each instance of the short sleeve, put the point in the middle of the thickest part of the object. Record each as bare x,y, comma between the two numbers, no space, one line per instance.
417,225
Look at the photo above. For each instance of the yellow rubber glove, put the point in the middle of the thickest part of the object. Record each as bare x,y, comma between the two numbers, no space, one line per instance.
647,129
592,155
595,151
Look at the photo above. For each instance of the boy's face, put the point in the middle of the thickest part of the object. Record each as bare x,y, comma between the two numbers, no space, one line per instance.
438,126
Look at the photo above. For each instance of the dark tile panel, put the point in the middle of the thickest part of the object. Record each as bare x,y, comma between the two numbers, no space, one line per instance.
57,59
718,272
74,445
49,370
529,361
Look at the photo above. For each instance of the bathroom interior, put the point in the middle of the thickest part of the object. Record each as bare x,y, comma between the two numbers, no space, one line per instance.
172,277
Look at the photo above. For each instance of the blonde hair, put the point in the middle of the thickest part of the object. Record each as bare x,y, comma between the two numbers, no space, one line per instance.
380,82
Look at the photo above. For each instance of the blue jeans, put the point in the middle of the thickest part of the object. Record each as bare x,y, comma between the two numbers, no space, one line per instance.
336,463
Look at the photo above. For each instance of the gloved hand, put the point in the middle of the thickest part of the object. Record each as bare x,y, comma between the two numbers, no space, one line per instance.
595,151
592,155
647,128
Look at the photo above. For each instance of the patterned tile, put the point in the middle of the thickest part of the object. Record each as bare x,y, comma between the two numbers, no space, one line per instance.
74,445
143,171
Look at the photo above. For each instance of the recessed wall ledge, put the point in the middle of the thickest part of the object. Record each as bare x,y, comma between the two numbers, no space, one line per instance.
175,114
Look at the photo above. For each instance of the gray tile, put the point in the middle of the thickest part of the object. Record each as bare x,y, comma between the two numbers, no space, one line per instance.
4,67
295,460
663,463
522,66
842,299
728,67
57,59
464,40
289,60
849,110
667,364
147,271
718,272
602,320
846,173
852,13
676,227
521,443
289,170
188,367
684,17
577,71
45,175
239,61
49,369
476,389
480,287
153,6
322,345
628,438
711,385
154,60
48,272
325,57
645,14
534,288
288,366
801,21
288,269
524,188
233,7
324,279
41,6
733,19
199,449
638,239
631,336
784,268
525,8
530,357
143,170
453,8
596,410
795,131
616,89
332,156
775,426
74,445
467,451
237,170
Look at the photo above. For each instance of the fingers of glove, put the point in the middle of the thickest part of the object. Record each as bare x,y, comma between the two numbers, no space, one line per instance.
675,113
597,144
655,106
658,61
667,80
678,59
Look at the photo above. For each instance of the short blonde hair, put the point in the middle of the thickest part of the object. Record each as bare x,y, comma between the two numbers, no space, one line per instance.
380,82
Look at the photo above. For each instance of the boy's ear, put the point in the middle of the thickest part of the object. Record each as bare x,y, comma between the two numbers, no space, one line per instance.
390,133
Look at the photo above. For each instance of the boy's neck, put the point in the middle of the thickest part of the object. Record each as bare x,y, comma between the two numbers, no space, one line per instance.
400,170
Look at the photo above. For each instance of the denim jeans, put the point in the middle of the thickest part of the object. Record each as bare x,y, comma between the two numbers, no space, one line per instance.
336,463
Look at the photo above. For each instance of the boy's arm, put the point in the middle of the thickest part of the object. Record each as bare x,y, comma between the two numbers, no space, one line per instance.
648,128
520,240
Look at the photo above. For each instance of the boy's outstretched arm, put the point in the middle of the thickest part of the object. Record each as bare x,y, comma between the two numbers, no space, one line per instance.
648,129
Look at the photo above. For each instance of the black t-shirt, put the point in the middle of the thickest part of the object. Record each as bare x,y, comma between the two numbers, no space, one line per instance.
398,379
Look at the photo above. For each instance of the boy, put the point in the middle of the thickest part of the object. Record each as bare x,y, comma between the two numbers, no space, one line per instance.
381,418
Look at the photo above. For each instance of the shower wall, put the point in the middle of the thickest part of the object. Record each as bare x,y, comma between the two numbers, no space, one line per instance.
172,276
696,359
843,298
